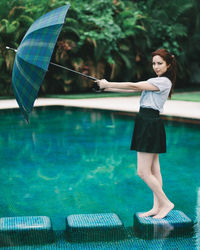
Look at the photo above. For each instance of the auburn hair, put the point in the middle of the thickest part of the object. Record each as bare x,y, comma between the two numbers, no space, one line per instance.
171,61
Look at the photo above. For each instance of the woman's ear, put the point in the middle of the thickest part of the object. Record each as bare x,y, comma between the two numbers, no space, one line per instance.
168,66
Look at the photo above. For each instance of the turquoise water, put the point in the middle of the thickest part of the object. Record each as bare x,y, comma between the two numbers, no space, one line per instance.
71,160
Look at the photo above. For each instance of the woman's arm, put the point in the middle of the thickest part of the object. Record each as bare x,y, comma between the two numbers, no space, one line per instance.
119,90
136,86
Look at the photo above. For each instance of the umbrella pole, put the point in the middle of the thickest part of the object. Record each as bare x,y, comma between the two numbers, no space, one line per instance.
79,73
95,86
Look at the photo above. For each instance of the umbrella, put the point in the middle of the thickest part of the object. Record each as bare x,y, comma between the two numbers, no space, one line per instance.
33,58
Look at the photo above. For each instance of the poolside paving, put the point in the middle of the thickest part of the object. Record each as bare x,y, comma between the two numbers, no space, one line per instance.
172,108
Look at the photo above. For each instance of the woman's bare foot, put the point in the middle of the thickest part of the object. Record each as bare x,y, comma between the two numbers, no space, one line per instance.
151,212
163,212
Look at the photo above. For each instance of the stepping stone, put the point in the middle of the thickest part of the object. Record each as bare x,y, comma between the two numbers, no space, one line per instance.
174,224
25,230
94,227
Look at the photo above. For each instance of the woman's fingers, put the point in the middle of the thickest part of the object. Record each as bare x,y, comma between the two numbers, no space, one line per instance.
103,83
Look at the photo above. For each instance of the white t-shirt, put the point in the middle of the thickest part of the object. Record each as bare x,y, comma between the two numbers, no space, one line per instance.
156,99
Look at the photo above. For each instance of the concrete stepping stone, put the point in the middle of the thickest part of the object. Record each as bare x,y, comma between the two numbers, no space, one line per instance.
174,224
27,230
94,227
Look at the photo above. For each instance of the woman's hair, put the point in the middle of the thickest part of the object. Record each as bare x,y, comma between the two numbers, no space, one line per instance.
170,60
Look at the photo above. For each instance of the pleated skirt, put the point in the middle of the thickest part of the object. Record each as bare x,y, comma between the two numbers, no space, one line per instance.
149,132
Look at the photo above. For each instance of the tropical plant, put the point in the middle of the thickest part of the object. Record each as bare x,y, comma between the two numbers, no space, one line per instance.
95,40
168,26
190,62
12,25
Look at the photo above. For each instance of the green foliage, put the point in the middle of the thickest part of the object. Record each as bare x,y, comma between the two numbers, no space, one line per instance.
169,26
100,31
106,38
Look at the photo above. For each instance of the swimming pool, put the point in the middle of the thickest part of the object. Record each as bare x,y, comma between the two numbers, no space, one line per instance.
78,161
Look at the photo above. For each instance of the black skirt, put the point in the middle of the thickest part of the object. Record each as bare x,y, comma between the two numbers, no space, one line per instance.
149,132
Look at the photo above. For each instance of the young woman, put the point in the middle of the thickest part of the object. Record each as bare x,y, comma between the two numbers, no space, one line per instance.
149,137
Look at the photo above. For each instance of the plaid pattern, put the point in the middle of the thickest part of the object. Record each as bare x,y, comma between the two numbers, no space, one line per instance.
33,57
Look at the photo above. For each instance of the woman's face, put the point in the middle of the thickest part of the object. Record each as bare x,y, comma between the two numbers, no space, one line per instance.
159,65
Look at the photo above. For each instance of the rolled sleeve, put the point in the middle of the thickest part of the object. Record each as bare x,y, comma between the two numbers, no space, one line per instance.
163,83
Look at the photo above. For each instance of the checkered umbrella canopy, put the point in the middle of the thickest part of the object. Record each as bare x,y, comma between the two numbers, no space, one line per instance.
33,57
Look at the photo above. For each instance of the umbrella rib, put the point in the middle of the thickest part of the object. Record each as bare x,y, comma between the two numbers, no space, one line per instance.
35,31
22,71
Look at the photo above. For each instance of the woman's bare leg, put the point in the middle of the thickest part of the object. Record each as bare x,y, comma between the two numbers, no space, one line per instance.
155,170
145,161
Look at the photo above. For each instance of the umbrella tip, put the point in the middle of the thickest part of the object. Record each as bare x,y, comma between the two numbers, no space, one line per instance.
11,49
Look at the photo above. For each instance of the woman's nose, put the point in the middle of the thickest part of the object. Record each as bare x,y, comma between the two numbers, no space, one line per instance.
156,66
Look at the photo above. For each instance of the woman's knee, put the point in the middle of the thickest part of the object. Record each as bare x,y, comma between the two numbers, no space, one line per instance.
144,163
142,174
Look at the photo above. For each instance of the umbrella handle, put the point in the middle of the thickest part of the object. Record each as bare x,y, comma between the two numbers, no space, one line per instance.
96,88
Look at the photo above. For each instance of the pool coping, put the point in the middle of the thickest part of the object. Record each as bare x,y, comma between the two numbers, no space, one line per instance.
186,111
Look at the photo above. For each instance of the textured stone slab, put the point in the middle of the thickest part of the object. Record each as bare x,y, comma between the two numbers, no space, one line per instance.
94,227
25,230
174,224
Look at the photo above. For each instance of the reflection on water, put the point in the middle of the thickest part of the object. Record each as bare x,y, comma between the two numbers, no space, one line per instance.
78,161
162,230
